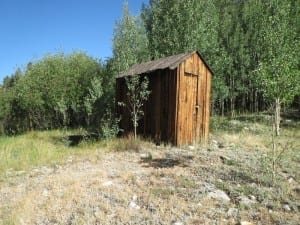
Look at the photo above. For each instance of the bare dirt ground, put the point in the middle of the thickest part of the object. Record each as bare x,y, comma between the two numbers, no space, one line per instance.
220,184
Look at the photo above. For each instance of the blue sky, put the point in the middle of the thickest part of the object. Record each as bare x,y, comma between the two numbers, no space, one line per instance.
30,29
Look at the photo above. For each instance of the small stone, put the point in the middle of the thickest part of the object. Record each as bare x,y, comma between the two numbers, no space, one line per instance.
252,197
214,142
221,145
232,212
133,205
219,195
191,147
45,193
291,180
177,223
70,159
246,201
246,223
107,183
146,156
224,158
134,197
286,207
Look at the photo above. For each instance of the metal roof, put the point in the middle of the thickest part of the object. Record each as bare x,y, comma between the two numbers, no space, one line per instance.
170,62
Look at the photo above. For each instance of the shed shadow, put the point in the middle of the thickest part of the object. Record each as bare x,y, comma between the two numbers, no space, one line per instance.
162,163
74,140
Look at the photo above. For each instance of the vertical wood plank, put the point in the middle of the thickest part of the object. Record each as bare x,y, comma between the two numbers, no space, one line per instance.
208,91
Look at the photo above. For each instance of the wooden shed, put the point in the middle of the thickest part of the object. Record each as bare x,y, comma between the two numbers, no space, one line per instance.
178,107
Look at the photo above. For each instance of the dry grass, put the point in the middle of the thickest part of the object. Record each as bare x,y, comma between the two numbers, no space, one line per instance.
98,182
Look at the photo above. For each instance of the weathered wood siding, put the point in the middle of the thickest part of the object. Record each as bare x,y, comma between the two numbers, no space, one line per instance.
193,106
158,122
159,119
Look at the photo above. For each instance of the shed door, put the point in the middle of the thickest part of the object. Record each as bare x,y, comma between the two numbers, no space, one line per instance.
192,107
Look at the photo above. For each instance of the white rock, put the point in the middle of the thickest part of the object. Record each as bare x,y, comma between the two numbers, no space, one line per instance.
107,183
246,223
232,212
145,156
133,205
134,198
177,223
219,195
246,201
252,197
45,193
214,142
286,207
191,147
291,180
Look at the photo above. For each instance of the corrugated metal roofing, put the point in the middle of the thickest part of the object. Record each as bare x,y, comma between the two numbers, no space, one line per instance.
170,62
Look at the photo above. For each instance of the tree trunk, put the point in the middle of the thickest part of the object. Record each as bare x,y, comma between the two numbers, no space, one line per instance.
277,116
222,107
232,107
212,107
30,121
243,109
256,101
273,153
134,122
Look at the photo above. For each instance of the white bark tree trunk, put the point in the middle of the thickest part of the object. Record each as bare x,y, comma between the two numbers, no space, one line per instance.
134,121
277,116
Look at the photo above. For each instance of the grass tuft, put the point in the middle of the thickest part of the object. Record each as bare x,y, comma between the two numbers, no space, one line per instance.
128,143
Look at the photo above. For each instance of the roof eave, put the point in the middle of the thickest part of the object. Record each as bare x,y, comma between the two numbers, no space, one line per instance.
172,66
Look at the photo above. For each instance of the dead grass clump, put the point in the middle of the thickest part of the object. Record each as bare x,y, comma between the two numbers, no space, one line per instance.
128,143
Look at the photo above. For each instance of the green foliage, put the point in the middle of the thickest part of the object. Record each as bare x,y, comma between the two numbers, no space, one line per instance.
278,68
137,94
130,43
251,46
109,126
95,92
57,91
278,73
176,26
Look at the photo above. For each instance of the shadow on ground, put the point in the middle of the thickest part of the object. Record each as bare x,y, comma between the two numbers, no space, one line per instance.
162,163
75,139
